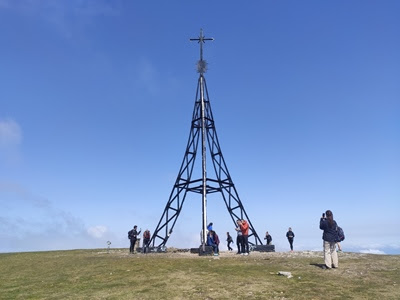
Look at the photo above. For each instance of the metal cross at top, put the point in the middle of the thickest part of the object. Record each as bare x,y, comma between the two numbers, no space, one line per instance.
202,65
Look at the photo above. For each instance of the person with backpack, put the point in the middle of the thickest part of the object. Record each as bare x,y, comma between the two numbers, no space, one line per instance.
146,240
132,235
329,226
290,237
229,240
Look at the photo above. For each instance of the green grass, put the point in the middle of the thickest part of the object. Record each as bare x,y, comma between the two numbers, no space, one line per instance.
96,274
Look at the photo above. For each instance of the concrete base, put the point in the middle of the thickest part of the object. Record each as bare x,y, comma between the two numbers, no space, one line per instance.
264,248
152,250
208,250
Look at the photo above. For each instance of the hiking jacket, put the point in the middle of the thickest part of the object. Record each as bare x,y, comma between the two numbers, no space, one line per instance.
329,234
146,235
268,238
244,228
210,241
133,234
290,235
239,232
216,239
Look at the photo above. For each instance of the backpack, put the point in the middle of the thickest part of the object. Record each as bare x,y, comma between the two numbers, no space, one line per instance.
339,234
129,234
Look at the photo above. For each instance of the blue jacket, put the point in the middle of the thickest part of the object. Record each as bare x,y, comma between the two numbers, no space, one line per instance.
210,241
330,233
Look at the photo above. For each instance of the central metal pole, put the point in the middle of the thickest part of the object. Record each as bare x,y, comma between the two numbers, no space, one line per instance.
201,68
204,165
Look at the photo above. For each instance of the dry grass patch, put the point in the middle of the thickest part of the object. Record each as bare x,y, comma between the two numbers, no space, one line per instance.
96,274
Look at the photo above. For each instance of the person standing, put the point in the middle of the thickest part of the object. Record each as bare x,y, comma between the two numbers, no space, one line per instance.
290,237
229,240
132,235
329,226
211,242
146,240
268,237
238,238
216,240
244,228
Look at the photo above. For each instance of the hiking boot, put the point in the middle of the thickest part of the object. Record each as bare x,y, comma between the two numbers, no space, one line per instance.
325,267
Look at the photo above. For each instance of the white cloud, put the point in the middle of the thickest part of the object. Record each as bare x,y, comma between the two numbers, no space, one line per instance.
10,133
97,231
29,222
372,251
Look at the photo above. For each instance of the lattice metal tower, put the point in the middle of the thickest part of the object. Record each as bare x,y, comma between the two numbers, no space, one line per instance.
203,129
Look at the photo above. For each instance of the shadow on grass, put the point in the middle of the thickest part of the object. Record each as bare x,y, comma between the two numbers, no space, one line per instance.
321,266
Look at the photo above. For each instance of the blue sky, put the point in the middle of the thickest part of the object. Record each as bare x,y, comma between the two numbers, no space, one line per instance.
96,100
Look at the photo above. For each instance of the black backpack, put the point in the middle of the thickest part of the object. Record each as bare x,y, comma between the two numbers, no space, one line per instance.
339,234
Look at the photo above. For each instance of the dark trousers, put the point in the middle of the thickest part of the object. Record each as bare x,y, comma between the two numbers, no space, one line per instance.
229,246
145,245
291,244
239,243
214,247
132,248
245,244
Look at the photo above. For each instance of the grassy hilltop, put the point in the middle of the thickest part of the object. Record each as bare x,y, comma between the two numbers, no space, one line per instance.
96,274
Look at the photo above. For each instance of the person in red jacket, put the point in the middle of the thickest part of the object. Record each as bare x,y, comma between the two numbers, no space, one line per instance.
244,228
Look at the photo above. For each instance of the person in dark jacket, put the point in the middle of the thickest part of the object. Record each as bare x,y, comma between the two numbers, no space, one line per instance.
268,237
290,237
328,225
229,240
132,235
